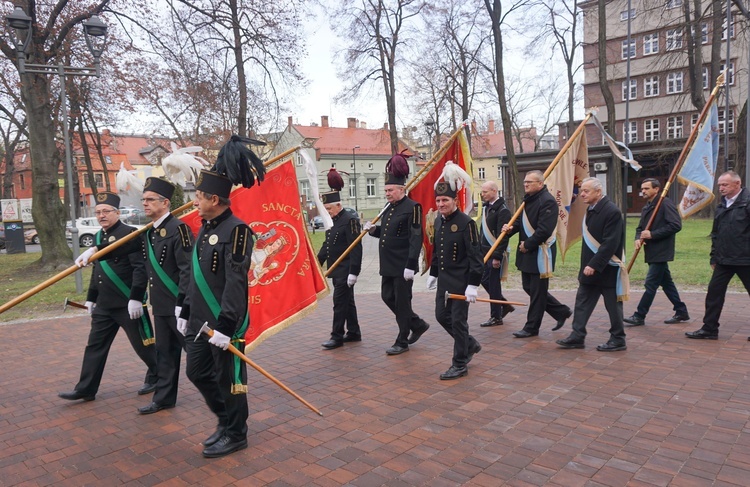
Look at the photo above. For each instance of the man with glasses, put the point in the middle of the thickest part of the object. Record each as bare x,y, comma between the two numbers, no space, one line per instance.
168,245
536,252
658,247
114,300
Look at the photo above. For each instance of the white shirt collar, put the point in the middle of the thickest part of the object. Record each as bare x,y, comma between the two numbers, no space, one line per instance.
161,219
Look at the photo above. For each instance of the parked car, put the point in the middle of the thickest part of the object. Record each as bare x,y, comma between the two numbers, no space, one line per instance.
133,216
87,228
31,237
2,236
317,222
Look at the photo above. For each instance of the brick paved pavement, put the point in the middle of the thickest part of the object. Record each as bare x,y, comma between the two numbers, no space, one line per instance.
668,411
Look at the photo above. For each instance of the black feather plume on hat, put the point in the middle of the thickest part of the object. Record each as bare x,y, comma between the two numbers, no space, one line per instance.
240,164
397,165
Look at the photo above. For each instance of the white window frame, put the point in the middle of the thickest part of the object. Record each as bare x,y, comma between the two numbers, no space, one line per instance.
675,83
625,48
674,127
651,83
633,90
481,172
651,44
674,4
704,32
731,120
352,187
304,189
633,133
371,187
705,77
651,129
674,39
624,15
724,27
730,81
693,120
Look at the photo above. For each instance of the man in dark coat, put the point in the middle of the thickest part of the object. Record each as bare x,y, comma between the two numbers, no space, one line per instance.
658,246
167,247
601,269
535,256
730,251
344,232
495,214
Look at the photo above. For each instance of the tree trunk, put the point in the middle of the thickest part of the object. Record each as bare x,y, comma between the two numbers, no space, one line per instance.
240,65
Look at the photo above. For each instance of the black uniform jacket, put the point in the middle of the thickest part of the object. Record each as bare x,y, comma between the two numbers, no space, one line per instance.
730,235
660,247
541,209
400,234
126,262
496,214
456,258
345,230
604,222
171,243
223,245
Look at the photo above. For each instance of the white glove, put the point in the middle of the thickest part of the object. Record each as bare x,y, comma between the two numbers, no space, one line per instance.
177,311
220,340
182,326
408,274
83,259
368,226
431,283
351,280
471,293
135,309
89,306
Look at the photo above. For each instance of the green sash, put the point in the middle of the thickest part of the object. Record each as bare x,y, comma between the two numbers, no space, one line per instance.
163,277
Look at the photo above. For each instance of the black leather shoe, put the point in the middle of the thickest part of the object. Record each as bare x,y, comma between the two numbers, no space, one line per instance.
570,342
634,320
218,434
492,322
506,309
473,352
702,335
416,334
224,446
331,344
454,373
146,389
75,395
561,322
352,338
153,408
525,334
677,319
396,350
612,346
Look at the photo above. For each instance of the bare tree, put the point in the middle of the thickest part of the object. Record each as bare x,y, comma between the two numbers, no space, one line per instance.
13,131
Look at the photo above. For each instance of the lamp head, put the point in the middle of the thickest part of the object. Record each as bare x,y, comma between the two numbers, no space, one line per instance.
95,32
20,24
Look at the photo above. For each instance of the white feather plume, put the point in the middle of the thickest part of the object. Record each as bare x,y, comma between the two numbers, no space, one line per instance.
457,179
312,175
128,183
181,166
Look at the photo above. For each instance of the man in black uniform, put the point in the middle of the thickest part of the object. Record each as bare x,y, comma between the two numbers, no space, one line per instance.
602,272
345,230
400,235
494,215
167,247
115,299
535,256
218,295
456,268
658,246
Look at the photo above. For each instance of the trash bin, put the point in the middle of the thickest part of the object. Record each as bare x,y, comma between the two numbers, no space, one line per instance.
14,240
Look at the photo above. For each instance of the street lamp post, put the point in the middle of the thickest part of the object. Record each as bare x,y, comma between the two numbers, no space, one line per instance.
354,163
95,32
430,125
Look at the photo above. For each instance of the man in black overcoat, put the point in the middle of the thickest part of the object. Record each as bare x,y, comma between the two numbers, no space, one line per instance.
495,214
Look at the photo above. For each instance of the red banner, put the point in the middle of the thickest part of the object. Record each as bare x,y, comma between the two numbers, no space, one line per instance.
285,280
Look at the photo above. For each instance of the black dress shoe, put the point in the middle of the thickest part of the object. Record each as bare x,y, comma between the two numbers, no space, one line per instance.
677,319
396,350
506,309
153,408
146,389
612,346
416,334
75,395
224,446
218,434
525,334
634,320
570,342
331,344
454,373
473,352
702,335
492,322
561,322
352,338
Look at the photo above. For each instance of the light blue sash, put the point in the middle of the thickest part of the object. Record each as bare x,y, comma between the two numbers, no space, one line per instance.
623,280
544,256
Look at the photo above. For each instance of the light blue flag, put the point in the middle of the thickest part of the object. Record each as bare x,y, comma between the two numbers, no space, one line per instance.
699,170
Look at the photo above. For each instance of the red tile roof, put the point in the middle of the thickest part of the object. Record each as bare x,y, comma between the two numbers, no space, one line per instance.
493,145
335,140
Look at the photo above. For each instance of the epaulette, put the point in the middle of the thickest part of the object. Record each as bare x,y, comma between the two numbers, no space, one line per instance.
473,234
354,226
186,236
240,240
416,219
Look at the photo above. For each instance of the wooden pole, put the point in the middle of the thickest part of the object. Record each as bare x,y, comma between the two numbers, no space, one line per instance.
461,297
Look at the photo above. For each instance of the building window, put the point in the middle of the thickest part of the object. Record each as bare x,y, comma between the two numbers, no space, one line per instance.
352,188
705,77
632,135
625,14
625,49
674,3
300,161
650,44
371,186
23,182
674,83
369,166
651,129
724,28
704,33
674,127
481,173
693,121
633,90
108,160
499,172
304,189
674,39
99,180
730,122
651,86
730,75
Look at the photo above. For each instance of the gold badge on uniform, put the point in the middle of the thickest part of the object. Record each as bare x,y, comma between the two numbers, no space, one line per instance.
111,238
213,239
101,197
454,228
163,232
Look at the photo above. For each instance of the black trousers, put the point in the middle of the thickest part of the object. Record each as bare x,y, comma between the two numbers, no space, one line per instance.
659,275
105,323
717,291
212,371
344,310
493,285
169,346
540,300
586,299
396,294
453,317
